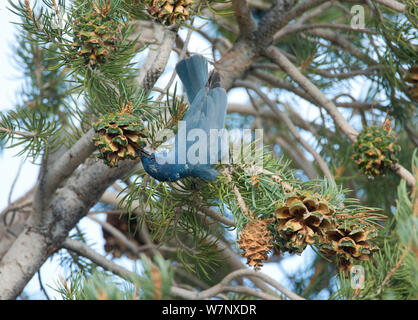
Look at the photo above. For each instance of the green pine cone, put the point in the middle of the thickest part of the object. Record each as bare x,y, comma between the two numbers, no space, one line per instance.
120,137
96,36
169,12
375,150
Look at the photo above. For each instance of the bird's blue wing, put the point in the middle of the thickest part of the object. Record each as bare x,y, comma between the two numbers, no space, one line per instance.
194,114
218,104
193,73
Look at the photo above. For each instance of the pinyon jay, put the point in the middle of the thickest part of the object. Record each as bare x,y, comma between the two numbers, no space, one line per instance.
207,111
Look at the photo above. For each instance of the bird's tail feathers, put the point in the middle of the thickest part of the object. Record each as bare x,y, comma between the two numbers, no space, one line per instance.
193,73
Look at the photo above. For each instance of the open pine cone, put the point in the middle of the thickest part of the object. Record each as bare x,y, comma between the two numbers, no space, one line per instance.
169,11
347,240
120,137
256,241
301,220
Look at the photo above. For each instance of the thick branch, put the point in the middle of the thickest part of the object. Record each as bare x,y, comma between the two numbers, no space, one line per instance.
60,169
68,205
245,20
282,12
224,286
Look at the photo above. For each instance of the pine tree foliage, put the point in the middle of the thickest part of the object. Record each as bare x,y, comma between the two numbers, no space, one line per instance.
83,62
393,272
154,282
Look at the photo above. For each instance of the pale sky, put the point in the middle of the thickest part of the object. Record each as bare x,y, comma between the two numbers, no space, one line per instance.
10,83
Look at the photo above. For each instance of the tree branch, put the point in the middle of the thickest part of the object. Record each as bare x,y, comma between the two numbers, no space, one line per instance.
224,287
283,117
245,20
276,56
393,4
85,251
297,156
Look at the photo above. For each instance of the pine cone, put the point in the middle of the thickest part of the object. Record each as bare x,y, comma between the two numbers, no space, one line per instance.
96,35
256,241
119,137
375,150
346,240
169,11
302,220
113,245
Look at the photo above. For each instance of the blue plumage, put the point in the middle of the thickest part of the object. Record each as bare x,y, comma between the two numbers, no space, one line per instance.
207,111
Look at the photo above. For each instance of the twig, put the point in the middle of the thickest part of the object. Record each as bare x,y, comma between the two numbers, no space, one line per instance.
42,286
85,251
19,170
297,156
223,285
284,117
19,133
240,199
277,57
216,216
135,249
394,269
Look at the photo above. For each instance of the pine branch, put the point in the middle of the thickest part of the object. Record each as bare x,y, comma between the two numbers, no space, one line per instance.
19,133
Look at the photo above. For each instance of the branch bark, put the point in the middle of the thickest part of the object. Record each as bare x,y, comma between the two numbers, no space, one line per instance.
245,20
393,4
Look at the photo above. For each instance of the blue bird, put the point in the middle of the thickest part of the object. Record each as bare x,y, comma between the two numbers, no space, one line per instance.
207,111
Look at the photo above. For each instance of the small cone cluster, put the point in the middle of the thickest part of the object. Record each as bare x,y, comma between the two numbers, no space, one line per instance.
412,77
347,240
96,35
256,241
169,11
375,150
120,136
301,220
